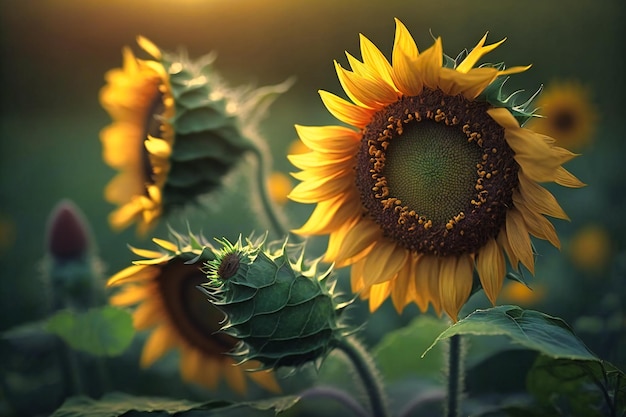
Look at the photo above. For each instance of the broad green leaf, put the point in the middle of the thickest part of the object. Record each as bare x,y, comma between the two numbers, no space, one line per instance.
105,331
579,388
116,404
531,329
407,343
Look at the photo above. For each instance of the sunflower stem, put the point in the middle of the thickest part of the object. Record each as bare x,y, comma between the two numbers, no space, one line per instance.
455,376
269,208
364,365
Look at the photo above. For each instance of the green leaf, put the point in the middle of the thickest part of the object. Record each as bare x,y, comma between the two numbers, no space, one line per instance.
580,388
117,404
406,343
105,331
534,330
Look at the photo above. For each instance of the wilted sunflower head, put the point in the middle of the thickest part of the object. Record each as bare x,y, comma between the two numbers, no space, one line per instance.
177,131
179,316
433,178
568,114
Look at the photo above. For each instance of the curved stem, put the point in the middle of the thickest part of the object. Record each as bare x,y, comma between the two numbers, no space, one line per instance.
455,376
336,394
364,366
269,208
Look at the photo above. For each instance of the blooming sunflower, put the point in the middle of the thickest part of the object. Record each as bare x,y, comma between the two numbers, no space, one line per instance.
569,115
433,179
164,286
176,132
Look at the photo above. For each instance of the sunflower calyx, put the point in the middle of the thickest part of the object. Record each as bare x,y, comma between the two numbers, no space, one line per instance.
283,311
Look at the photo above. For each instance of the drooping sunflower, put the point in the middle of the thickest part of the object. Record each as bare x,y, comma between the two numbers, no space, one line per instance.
179,316
434,177
569,115
177,131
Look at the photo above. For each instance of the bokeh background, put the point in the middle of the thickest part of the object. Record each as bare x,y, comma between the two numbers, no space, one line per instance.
54,54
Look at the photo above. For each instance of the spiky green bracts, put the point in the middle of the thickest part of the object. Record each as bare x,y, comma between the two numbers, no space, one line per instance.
282,309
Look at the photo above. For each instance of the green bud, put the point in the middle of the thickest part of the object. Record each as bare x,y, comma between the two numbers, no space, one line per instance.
281,308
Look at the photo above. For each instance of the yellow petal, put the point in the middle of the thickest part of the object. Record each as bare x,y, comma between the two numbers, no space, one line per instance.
191,361
455,283
491,269
147,314
235,378
503,240
566,179
356,276
329,139
167,245
366,92
470,84
361,236
383,262
149,47
403,288
124,186
133,274
539,199
125,215
429,64
345,111
373,58
152,254
403,43
330,215
427,282
519,240
320,189
160,341
476,53
158,147
378,294
130,295
121,145
536,224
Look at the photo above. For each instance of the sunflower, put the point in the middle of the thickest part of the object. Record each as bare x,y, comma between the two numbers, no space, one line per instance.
177,131
433,178
569,115
138,97
164,286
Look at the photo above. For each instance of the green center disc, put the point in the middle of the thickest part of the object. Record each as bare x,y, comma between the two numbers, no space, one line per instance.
431,168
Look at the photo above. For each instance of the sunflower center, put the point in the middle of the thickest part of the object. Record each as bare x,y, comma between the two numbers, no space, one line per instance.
436,173
196,320
433,167
564,121
152,127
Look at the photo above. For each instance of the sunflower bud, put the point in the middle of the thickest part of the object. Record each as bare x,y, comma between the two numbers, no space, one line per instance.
71,269
284,312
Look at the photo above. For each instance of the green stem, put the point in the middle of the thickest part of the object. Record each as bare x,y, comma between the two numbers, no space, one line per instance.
455,376
269,208
366,369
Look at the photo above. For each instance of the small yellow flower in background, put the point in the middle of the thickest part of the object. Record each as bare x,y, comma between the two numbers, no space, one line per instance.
590,248
177,131
179,316
569,115
434,177
517,293
279,186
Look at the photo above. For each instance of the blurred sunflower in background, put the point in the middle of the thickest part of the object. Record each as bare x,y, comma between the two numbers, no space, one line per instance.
180,316
177,131
569,115
434,177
